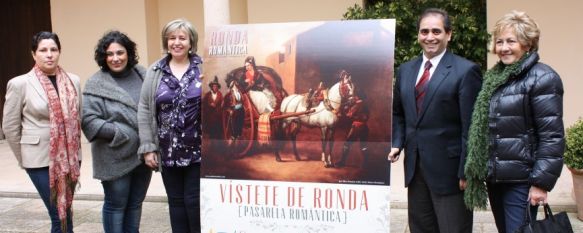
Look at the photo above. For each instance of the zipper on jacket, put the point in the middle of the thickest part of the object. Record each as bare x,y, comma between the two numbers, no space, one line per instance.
494,169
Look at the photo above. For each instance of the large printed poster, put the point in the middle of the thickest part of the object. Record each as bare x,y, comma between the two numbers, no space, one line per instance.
297,120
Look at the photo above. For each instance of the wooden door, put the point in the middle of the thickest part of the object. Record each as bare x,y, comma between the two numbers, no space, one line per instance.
19,21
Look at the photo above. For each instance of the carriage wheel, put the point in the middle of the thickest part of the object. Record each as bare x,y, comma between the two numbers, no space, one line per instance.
240,146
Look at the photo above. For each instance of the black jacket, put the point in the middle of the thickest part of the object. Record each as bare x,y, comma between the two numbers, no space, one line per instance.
435,138
526,127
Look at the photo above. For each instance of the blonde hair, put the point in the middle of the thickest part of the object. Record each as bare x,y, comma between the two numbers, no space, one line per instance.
526,30
180,24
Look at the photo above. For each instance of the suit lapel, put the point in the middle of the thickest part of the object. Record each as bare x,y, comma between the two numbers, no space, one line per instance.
437,78
35,83
410,84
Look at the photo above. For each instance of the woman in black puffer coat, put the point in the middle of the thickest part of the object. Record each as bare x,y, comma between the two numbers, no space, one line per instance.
516,139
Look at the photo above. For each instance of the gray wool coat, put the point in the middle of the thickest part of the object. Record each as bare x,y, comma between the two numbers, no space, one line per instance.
105,101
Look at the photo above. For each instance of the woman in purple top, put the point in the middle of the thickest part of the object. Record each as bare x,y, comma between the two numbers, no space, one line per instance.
169,120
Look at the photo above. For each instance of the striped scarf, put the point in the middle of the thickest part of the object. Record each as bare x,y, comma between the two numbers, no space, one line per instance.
476,170
64,141
264,129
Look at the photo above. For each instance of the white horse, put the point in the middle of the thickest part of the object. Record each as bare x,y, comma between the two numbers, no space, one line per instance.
264,101
324,117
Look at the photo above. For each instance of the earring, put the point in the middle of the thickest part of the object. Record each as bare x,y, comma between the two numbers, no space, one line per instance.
189,51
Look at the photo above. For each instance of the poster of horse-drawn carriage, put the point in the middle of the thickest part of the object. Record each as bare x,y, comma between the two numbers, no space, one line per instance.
306,103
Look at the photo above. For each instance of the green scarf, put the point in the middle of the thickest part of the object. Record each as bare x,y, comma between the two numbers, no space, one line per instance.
476,170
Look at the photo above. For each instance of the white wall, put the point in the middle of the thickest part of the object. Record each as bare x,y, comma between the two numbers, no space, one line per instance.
80,24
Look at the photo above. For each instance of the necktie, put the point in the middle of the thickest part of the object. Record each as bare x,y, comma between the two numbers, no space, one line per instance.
421,86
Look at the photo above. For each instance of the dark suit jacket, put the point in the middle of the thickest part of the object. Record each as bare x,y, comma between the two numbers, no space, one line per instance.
440,132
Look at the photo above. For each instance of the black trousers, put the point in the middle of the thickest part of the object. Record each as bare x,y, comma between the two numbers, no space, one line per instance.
430,212
183,190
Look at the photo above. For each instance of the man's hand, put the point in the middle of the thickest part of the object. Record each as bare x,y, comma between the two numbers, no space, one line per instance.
393,155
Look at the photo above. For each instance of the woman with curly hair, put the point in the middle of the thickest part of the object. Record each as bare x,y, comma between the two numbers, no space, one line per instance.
110,123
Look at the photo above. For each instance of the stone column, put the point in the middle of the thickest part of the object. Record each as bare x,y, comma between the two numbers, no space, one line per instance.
216,12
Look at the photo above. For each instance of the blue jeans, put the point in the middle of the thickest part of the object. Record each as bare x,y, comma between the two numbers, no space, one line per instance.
183,190
40,179
122,207
509,202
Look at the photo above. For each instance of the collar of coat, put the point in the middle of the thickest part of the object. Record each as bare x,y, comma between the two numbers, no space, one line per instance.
163,63
102,85
529,61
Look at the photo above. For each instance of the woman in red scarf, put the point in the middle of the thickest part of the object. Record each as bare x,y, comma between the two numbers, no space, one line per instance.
41,125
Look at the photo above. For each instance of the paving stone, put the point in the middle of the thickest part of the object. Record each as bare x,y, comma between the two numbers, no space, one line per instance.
489,227
398,220
483,216
88,227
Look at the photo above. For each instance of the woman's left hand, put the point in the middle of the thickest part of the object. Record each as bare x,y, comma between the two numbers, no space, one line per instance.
537,196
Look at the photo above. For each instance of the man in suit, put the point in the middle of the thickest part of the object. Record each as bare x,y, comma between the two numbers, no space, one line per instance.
432,108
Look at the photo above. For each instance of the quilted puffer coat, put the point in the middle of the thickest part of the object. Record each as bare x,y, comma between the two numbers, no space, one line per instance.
526,127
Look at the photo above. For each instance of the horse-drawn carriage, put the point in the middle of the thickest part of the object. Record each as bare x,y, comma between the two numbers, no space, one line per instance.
247,116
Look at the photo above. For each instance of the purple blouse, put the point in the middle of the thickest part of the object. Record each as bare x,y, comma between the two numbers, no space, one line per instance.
179,115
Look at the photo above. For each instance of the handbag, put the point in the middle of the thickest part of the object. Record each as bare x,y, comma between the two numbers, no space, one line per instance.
558,223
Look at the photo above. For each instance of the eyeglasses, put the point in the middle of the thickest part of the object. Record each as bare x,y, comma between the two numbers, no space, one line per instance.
435,31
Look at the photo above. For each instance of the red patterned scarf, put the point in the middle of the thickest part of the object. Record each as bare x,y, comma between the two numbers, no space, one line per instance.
64,142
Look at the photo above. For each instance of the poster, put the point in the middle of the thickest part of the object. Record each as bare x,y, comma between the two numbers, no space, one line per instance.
297,122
